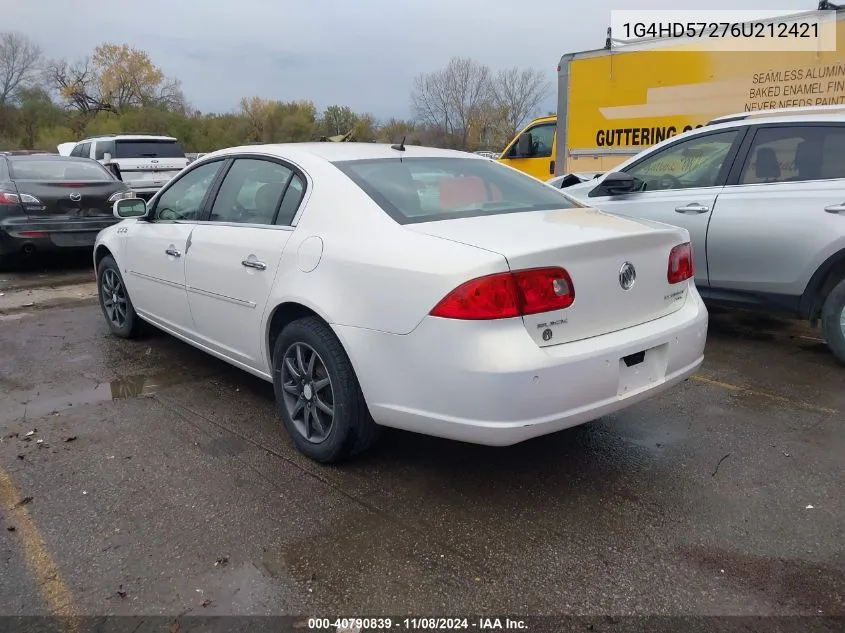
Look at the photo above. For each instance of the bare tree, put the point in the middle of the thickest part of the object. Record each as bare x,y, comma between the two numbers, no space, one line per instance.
519,92
77,84
19,62
470,89
430,101
447,99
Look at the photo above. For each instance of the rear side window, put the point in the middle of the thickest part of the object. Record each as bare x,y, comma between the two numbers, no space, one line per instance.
52,170
430,189
290,203
148,149
795,154
102,148
83,150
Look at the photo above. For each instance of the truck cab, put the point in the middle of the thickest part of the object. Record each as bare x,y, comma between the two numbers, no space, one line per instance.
533,150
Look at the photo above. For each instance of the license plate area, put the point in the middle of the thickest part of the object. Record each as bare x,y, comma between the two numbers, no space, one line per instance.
642,370
70,240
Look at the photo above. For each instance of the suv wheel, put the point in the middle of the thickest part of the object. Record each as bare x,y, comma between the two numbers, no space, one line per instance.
833,320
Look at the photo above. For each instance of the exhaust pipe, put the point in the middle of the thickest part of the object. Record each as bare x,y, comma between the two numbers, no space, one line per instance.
28,250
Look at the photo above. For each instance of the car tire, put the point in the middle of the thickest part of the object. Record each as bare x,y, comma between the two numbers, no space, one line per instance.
124,322
833,320
350,429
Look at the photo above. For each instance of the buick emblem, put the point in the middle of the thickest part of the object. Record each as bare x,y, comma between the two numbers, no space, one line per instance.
627,275
76,197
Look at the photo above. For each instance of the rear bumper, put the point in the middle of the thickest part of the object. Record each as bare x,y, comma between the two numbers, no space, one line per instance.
489,383
51,235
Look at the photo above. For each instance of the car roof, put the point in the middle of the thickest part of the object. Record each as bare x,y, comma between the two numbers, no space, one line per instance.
815,114
129,137
336,152
22,158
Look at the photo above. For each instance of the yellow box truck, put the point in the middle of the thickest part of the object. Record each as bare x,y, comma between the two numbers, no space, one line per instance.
616,101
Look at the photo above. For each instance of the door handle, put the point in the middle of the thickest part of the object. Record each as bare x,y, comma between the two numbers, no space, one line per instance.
173,252
693,207
251,263
836,208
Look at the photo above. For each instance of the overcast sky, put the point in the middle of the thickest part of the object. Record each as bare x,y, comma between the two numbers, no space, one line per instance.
362,53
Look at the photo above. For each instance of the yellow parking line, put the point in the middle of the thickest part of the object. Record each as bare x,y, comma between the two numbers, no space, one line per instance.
47,576
762,394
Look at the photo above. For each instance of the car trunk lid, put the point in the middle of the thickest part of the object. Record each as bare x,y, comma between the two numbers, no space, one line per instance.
68,200
593,247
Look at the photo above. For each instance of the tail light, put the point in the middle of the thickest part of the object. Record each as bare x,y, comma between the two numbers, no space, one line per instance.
507,295
7,197
681,266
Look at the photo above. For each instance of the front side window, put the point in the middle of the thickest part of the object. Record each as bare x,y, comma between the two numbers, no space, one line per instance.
251,192
53,170
430,189
794,154
696,162
183,199
83,150
542,139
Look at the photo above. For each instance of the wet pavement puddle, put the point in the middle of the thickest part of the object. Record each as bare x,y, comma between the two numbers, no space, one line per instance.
51,403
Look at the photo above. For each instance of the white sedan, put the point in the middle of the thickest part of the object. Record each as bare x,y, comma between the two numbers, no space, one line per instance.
486,307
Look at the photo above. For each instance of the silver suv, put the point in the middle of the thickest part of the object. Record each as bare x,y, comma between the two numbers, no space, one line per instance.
762,195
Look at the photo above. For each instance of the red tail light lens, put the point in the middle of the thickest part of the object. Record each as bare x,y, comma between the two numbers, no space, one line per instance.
681,266
507,295
9,198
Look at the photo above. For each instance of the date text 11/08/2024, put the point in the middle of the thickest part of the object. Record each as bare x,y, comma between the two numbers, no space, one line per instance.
340,625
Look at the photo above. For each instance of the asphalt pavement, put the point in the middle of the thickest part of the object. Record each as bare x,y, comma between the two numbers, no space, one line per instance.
145,477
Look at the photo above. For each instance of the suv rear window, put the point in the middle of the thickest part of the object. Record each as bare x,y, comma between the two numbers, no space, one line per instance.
148,149
432,189
56,170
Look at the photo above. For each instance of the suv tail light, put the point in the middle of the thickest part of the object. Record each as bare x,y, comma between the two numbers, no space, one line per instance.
507,295
681,266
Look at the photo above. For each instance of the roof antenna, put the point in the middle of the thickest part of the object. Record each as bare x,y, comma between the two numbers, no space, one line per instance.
399,147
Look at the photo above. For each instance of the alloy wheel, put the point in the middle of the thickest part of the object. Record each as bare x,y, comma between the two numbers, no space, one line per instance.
842,321
307,392
113,295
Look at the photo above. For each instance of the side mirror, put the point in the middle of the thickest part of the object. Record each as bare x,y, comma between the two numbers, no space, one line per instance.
106,158
129,208
524,145
615,183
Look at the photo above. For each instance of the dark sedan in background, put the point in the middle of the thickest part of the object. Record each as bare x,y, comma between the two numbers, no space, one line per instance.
52,203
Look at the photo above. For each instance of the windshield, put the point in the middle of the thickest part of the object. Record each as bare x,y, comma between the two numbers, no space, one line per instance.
56,170
431,189
148,149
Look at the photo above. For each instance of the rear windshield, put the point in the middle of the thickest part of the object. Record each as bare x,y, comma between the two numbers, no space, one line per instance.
430,189
53,170
148,149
